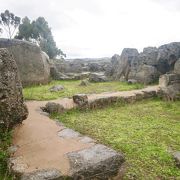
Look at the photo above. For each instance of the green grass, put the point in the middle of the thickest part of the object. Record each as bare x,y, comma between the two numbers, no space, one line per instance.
144,131
72,87
5,142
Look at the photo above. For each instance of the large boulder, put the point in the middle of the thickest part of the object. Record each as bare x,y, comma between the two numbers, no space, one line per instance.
110,70
177,67
33,64
170,86
147,66
122,69
12,107
97,77
146,74
168,54
149,56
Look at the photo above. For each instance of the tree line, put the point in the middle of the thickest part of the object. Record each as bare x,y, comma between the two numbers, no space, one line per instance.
36,31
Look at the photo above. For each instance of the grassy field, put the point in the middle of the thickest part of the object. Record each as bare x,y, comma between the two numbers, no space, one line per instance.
72,87
144,131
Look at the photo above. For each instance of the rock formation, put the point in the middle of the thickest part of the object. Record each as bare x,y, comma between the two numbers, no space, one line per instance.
147,66
76,68
177,67
12,107
170,86
32,63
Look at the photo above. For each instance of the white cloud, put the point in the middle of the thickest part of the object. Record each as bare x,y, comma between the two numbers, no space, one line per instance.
96,28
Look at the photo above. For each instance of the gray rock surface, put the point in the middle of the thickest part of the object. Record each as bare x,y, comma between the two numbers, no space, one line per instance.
52,107
80,99
33,64
97,77
86,139
146,74
122,70
12,108
96,162
176,156
68,133
81,65
169,79
56,75
48,174
177,67
170,86
146,67
56,88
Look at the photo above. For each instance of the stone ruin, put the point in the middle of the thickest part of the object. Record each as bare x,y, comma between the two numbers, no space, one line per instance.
12,108
147,66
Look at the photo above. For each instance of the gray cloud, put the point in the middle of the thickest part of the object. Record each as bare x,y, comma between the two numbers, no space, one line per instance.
103,27
171,5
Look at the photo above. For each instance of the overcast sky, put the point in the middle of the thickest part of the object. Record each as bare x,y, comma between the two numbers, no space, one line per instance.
101,28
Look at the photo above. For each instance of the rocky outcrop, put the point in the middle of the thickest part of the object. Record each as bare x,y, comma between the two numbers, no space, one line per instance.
33,64
97,77
177,67
170,86
75,68
12,107
147,66
128,56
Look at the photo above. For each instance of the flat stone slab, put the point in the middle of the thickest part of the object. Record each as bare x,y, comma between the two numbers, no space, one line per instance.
48,174
68,133
96,162
86,139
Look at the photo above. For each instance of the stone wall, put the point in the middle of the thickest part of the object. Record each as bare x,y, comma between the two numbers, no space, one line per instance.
12,107
33,64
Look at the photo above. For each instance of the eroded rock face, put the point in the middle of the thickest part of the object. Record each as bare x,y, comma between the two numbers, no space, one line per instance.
147,66
33,64
170,86
12,107
80,99
177,67
128,56
168,54
97,77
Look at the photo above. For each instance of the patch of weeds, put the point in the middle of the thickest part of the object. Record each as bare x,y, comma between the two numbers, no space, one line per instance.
144,131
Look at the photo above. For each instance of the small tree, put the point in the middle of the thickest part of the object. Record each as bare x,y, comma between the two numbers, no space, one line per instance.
9,22
39,31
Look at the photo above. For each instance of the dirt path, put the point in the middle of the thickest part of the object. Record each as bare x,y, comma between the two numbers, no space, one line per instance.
40,146
39,143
